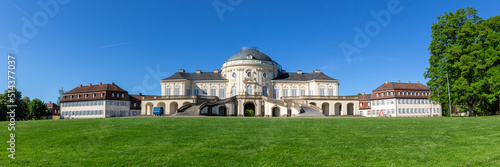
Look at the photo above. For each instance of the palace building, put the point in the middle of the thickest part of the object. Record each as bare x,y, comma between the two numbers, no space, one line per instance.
251,81
396,99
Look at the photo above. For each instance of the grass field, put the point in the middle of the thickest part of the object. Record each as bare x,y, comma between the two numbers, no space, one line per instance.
213,141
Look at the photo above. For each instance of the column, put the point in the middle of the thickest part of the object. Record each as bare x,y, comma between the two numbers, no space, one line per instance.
258,108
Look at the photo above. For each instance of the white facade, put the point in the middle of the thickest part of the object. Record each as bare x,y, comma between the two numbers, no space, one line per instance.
251,80
96,109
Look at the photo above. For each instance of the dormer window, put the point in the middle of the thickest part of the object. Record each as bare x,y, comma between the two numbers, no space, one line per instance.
249,57
86,95
123,95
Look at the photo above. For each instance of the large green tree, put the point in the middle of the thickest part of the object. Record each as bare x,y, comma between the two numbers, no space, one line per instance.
37,109
463,47
5,100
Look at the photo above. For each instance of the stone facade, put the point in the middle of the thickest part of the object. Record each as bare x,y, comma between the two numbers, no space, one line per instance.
250,80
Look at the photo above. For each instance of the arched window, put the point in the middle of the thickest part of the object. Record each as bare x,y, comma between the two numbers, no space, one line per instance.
249,90
264,91
233,91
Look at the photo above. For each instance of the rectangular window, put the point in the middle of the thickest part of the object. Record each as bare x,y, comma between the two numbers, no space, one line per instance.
177,91
311,92
321,92
302,92
188,91
222,93
330,92
196,92
294,92
167,92
285,92
276,94
204,91
213,92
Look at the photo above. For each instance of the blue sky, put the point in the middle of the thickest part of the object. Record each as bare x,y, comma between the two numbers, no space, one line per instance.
136,43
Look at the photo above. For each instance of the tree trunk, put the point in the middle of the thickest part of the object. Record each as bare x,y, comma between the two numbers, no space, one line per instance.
470,106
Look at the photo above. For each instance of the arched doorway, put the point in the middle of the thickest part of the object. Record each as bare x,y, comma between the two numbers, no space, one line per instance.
326,108
162,105
249,109
149,109
338,108
173,108
312,103
350,109
222,111
276,111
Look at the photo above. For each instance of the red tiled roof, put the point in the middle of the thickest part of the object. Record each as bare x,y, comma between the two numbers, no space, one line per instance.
51,105
93,92
402,86
365,97
96,88
135,97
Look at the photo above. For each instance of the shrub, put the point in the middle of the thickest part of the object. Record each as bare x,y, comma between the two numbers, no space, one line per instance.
249,112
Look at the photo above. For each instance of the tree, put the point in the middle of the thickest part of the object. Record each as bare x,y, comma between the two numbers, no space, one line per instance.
6,100
464,46
61,93
23,111
37,109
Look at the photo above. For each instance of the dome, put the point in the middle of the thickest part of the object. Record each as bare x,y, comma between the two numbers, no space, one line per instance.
249,52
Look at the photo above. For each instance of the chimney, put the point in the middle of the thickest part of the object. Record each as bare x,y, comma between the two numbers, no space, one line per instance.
80,85
363,93
283,71
50,102
317,71
399,81
418,82
409,82
386,82
100,83
140,94
90,84
299,71
198,71
216,71
182,70
112,83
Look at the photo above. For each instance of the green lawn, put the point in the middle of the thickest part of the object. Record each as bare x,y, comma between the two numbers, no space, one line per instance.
214,141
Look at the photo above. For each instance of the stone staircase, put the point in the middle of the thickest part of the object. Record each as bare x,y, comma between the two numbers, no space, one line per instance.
309,112
191,111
